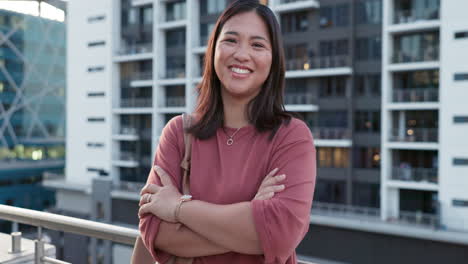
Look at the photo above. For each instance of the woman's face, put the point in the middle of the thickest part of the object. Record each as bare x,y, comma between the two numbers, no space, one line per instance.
243,55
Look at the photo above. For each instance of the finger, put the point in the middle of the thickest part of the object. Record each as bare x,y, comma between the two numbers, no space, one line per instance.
165,178
150,188
273,188
265,196
274,180
270,174
144,209
143,199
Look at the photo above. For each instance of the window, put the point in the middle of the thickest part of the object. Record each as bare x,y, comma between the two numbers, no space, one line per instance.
460,77
175,11
210,7
96,119
416,47
460,119
96,43
333,86
368,48
326,17
367,157
462,34
95,69
294,22
367,84
332,157
147,15
342,15
175,38
367,121
205,31
96,94
369,12
98,18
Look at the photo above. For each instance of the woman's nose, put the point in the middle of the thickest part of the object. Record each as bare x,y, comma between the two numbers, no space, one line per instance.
241,53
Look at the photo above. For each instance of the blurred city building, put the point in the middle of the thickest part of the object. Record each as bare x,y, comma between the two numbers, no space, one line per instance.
365,75
32,108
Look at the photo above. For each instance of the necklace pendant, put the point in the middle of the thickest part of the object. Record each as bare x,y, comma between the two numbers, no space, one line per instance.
229,142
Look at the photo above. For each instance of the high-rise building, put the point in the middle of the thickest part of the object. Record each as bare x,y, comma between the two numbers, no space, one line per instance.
363,74
32,107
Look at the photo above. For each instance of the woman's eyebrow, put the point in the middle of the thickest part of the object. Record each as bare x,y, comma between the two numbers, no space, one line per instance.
237,34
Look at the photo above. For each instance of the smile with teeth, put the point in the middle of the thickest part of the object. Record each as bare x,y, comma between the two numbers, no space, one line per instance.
240,71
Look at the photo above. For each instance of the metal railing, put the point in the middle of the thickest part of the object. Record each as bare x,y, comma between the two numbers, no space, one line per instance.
136,102
128,49
129,131
174,73
415,174
415,135
308,63
299,98
127,156
142,76
415,14
175,101
431,53
416,95
331,133
68,224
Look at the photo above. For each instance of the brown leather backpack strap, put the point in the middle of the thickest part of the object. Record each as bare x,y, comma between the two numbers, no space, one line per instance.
185,164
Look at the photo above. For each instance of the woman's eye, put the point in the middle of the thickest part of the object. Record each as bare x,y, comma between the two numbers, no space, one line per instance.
258,45
230,40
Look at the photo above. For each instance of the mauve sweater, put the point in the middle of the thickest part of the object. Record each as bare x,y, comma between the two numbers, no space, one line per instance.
223,174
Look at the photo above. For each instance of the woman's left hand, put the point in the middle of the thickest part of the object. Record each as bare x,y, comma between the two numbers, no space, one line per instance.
160,200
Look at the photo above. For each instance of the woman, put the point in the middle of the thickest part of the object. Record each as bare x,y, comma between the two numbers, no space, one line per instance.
241,133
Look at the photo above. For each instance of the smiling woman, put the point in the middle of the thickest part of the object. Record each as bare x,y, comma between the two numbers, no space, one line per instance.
252,173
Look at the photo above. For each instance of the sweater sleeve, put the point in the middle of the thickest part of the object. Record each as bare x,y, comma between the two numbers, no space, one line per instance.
168,157
282,221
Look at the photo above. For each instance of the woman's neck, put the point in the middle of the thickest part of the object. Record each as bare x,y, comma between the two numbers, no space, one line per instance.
235,112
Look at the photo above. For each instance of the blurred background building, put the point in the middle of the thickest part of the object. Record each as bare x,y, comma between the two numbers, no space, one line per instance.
32,107
381,83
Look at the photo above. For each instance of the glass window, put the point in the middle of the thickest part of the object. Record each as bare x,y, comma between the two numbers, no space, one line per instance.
342,15
369,12
326,17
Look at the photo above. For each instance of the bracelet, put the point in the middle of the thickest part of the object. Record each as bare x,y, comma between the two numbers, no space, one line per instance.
183,198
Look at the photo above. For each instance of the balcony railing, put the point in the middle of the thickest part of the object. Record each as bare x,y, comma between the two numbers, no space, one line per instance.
127,156
126,236
416,95
431,54
142,76
128,49
413,15
303,64
136,102
174,73
146,133
331,133
415,174
175,101
130,131
415,135
298,98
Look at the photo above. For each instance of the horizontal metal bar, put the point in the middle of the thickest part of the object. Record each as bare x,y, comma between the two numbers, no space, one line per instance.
53,261
69,224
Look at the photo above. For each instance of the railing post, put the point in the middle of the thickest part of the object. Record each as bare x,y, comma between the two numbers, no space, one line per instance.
38,251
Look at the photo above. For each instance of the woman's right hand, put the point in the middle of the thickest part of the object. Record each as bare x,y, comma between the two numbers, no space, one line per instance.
270,185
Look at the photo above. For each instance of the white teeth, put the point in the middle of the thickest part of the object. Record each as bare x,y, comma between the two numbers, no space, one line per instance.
241,71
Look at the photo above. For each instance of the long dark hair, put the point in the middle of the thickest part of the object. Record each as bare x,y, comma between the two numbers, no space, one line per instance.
266,111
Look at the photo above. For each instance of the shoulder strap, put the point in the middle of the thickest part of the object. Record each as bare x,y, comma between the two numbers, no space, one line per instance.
185,164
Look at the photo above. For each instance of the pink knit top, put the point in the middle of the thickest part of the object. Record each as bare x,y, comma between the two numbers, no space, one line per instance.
223,174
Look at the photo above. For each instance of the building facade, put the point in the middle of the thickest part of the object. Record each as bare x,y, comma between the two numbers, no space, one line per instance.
363,74
32,107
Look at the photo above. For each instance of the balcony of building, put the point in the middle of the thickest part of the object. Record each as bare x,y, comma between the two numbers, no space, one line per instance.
134,51
300,102
175,11
415,90
136,103
126,159
415,11
141,79
415,51
414,129
317,66
295,5
139,3
126,133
